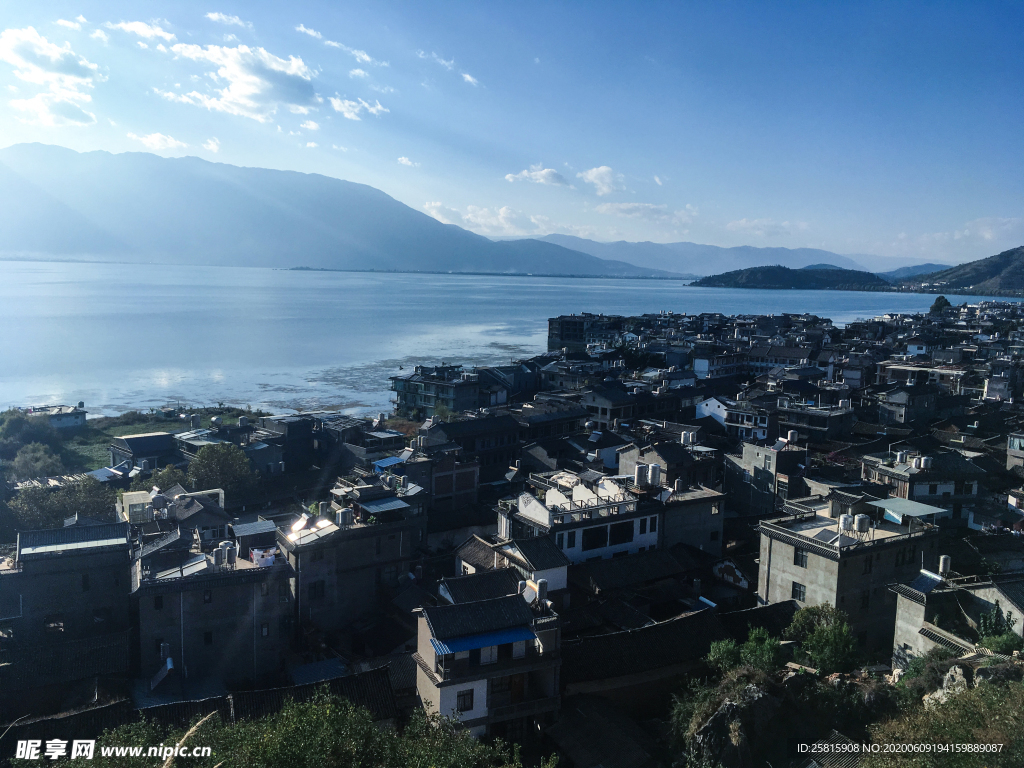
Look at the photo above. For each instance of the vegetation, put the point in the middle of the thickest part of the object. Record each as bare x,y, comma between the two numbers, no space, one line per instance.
761,651
940,304
776,278
328,732
163,479
824,636
35,460
999,275
36,508
223,465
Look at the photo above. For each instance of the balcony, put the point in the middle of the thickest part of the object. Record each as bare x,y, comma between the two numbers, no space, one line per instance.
529,708
453,669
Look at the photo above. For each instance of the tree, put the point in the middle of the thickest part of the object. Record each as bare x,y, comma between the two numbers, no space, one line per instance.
163,479
830,648
761,651
1005,643
223,465
939,305
36,508
18,430
995,622
36,460
806,620
724,655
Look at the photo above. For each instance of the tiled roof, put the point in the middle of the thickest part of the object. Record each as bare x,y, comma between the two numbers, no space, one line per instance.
541,553
73,537
477,553
485,585
686,638
450,621
625,572
254,528
148,443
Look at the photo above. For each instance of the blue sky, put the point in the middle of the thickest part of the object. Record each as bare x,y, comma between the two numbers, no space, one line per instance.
881,128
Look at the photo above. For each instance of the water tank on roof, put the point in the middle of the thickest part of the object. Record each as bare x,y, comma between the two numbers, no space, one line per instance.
243,421
218,556
654,474
159,501
216,421
917,462
640,475
590,426
846,522
901,457
862,523
195,421
945,564
231,555
542,589
325,508
926,462
792,436
81,403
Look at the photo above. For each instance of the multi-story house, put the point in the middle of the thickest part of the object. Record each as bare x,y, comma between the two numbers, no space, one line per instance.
759,480
431,390
742,420
493,664
943,479
491,441
846,552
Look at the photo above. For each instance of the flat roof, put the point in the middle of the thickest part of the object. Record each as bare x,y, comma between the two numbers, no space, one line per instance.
907,507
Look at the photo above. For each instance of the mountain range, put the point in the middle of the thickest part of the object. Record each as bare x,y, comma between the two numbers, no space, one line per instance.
59,203
999,275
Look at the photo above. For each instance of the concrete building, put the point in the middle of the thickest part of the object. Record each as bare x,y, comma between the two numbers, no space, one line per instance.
1014,450
944,479
150,450
430,390
810,557
493,664
759,481
742,420
59,416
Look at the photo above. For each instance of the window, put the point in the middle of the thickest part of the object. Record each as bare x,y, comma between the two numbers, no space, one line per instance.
207,638
572,539
208,596
654,525
464,700
283,592
560,540
158,603
800,557
933,489
867,564
621,533
799,592
595,538
85,582
316,556
264,630
489,654
643,526
519,649
317,590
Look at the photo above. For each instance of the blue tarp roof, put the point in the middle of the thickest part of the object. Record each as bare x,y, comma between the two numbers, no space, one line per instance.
471,642
390,461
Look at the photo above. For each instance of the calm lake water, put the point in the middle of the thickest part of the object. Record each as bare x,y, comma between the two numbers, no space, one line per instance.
122,336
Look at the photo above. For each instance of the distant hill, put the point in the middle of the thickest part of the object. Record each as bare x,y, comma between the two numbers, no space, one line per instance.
697,259
821,266
911,271
134,206
776,278
999,275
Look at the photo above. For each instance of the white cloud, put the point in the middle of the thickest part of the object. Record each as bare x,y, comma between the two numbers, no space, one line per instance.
161,47
407,161
309,125
470,79
766,227
257,82
223,18
64,74
157,141
307,31
141,44
361,56
312,145
212,145
538,174
351,109
649,211
483,221
604,179
657,181
446,63
81,19
69,24
231,38
357,73
142,29
339,148
382,88
99,34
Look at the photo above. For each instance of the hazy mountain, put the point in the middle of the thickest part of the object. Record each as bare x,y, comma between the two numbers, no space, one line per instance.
999,275
911,271
699,259
776,278
58,203
821,266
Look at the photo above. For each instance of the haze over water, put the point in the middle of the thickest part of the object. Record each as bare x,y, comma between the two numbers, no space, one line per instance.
136,336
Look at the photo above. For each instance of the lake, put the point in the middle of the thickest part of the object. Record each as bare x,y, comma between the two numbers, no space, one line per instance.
136,336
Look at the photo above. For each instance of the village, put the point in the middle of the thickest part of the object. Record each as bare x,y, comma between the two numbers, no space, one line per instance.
547,551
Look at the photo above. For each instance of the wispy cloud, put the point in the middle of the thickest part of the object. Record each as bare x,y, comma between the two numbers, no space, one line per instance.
257,83
65,75
99,34
69,24
538,174
142,29
484,221
470,79
311,145
361,56
357,73
604,179
407,161
212,145
309,125
351,109
660,214
766,227
657,181
223,18
446,63
158,141
307,31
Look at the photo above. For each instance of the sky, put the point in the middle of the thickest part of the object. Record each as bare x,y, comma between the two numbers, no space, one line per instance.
882,128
